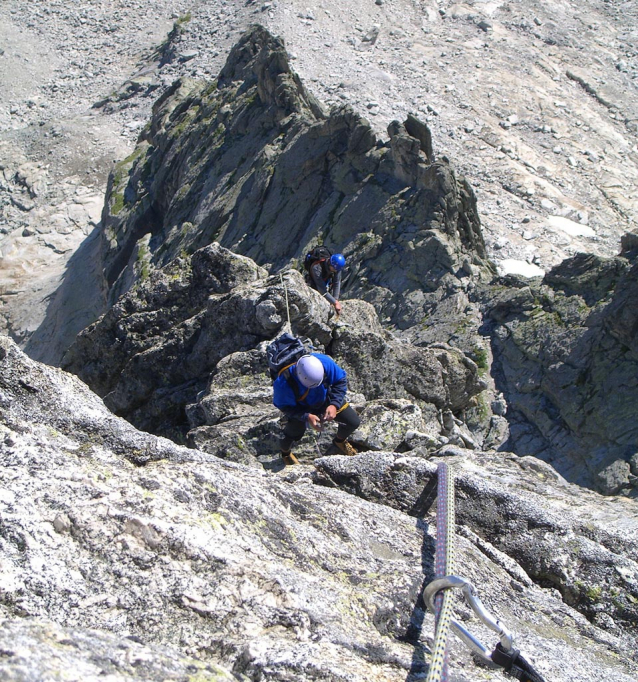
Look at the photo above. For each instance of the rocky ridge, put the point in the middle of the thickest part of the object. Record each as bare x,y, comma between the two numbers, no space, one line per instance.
252,156
551,156
422,264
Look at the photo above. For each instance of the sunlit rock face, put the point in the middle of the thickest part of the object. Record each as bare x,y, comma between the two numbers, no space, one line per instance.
204,566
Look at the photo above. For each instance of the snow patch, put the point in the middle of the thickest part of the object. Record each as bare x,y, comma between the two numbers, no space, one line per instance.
511,266
570,227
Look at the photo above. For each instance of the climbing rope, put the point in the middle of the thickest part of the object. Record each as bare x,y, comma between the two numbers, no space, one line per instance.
318,436
444,565
438,594
281,277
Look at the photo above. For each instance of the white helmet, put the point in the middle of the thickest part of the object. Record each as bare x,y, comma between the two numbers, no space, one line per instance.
310,371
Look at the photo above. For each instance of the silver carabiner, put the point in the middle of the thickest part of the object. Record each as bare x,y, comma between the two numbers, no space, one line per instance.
452,581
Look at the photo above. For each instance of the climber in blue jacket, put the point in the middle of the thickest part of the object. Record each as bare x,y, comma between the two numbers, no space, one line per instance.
310,392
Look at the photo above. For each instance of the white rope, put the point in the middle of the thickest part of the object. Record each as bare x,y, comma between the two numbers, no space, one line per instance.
445,525
281,277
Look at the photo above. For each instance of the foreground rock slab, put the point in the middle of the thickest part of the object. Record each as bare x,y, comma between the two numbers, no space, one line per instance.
266,575
36,650
560,536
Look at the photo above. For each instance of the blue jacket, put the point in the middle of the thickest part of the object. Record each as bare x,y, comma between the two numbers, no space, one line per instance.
315,400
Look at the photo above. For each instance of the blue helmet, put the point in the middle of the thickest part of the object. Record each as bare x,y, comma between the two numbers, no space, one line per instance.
338,262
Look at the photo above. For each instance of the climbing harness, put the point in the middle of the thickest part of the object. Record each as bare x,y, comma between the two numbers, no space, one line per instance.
437,596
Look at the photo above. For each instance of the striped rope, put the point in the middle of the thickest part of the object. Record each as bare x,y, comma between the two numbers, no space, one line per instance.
444,565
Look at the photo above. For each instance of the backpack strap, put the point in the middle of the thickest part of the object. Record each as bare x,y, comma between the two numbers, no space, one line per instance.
314,261
285,372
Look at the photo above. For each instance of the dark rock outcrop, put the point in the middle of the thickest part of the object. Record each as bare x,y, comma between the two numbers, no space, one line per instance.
183,355
252,161
566,359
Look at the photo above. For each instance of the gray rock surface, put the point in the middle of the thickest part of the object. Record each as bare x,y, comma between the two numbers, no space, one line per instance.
558,538
565,357
35,649
199,563
56,154
183,355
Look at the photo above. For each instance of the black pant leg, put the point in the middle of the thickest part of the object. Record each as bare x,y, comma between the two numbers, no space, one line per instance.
348,422
293,431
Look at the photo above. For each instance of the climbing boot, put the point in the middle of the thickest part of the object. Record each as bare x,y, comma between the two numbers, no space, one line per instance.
344,447
289,458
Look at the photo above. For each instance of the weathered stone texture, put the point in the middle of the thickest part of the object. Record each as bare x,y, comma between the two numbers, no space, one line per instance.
204,564
566,359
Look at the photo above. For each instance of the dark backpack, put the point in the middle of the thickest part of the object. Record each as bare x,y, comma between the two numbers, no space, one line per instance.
285,350
319,253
